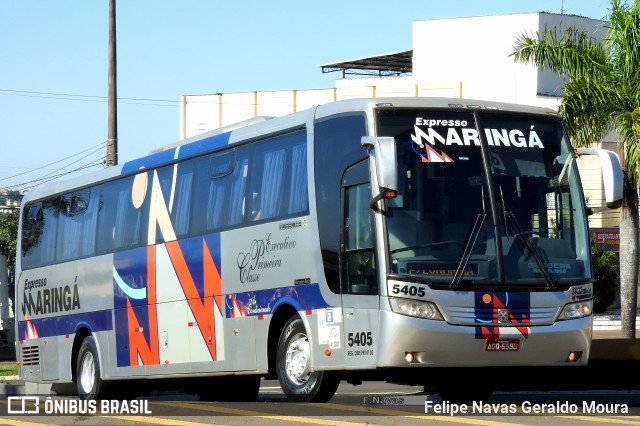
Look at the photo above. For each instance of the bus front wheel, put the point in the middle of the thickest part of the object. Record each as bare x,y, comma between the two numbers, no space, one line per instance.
88,382
293,365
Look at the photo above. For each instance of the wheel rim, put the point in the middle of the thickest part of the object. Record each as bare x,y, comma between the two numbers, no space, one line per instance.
87,372
297,359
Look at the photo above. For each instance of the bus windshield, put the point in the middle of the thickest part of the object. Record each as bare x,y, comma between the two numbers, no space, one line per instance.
484,198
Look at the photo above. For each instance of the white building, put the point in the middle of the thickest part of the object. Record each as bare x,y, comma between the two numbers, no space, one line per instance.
459,57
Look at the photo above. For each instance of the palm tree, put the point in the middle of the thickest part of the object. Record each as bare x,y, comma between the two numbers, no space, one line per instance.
602,91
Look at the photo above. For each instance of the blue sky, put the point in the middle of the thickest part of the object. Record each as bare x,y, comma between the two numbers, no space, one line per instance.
53,68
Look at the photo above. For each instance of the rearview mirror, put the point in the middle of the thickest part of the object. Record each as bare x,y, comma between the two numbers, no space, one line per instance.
611,175
382,150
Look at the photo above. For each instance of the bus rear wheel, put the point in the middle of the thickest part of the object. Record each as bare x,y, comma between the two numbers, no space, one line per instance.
88,382
293,366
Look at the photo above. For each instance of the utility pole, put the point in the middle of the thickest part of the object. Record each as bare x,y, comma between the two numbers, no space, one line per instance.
112,114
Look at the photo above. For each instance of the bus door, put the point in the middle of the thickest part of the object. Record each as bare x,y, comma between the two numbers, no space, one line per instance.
359,279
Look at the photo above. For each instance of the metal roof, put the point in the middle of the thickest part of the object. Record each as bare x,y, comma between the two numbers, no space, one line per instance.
398,63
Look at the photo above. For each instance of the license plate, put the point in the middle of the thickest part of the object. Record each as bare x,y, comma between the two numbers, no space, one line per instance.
502,345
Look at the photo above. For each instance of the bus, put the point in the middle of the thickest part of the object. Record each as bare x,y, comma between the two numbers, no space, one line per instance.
393,239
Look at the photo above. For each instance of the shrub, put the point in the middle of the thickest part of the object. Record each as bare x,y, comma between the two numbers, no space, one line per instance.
604,265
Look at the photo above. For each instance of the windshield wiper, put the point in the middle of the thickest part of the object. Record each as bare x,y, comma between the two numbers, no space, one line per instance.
524,241
522,238
470,244
468,250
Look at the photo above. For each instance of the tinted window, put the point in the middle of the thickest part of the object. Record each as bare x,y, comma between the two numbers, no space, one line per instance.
39,233
359,266
219,193
337,146
279,177
200,195
176,183
77,225
31,235
121,224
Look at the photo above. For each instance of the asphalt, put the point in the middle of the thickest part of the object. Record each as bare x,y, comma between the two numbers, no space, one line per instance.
608,346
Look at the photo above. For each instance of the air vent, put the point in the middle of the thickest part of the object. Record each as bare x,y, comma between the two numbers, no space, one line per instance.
30,355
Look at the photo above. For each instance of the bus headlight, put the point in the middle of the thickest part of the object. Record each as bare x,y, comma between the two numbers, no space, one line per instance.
415,308
577,310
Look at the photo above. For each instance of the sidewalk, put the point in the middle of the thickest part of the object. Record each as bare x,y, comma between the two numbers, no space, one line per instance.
608,325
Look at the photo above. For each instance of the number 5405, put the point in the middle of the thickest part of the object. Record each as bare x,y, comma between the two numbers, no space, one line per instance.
360,339
408,290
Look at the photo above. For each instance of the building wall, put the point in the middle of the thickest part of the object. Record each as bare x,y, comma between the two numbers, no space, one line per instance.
475,51
459,57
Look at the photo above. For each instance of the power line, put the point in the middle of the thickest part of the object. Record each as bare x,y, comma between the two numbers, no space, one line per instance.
73,162
54,174
138,101
88,98
48,178
94,148
85,166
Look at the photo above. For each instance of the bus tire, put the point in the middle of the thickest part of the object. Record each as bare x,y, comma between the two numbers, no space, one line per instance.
89,384
293,367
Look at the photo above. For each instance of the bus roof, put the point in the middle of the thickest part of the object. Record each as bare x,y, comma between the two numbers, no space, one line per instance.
257,126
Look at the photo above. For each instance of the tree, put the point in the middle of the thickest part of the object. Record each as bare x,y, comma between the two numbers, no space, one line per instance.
605,277
8,235
602,91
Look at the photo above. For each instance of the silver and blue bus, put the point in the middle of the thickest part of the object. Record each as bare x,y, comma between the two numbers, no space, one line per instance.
388,239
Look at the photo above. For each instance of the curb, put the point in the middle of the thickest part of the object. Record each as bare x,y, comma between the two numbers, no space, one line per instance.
20,387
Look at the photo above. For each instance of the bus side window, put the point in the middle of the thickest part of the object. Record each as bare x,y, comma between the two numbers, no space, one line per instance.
106,220
298,193
182,202
77,225
175,183
268,183
121,225
219,192
238,181
279,178
359,269
48,226
31,232
220,168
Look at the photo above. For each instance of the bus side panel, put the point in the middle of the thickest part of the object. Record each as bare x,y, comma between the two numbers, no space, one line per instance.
361,336
169,307
55,302
329,326
50,358
267,266
239,338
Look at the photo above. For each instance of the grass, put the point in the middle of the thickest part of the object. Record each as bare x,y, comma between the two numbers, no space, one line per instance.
8,370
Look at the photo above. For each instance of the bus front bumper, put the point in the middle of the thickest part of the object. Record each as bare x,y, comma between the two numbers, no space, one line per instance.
415,342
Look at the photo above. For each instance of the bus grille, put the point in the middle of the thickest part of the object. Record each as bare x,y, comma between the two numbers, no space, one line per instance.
30,355
534,316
